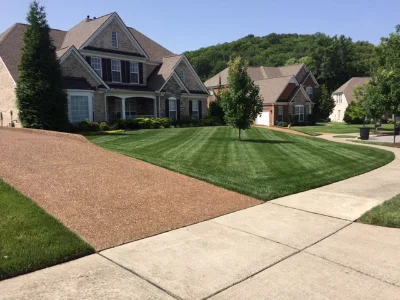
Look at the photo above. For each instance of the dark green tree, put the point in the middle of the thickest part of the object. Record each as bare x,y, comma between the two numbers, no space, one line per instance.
215,108
41,101
325,103
241,101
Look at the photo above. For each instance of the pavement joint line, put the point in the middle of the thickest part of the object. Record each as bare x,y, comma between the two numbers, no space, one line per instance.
250,276
311,212
142,277
259,236
355,270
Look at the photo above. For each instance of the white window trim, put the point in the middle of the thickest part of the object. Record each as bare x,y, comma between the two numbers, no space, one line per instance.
299,106
130,71
120,75
101,67
116,39
197,108
85,93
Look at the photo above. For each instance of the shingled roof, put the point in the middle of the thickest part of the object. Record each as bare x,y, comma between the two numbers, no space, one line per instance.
11,42
348,88
161,74
272,88
257,73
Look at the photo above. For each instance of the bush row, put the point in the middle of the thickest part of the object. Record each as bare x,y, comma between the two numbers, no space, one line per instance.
145,123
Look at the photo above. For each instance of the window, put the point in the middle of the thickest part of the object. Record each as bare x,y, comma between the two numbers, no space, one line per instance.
79,109
338,115
95,62
310,92
339,98
211,92
299,112
182,75
195,109
310,109
280,113
130,108
134,72
114,39
172,109
116,70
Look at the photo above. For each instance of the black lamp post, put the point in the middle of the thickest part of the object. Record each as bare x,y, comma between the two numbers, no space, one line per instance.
395,125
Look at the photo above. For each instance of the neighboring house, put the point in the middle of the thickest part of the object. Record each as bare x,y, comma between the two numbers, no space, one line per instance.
286,91
343,96
110,71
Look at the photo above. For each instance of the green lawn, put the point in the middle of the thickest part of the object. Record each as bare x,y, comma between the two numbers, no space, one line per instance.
31,239
266,165
387,214
338,127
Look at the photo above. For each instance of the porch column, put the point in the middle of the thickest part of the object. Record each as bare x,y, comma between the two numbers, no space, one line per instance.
123,108
155,107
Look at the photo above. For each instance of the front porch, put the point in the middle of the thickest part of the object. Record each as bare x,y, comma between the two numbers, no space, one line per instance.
119,107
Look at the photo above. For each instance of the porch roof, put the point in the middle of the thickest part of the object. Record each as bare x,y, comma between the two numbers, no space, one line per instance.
76,83
134,88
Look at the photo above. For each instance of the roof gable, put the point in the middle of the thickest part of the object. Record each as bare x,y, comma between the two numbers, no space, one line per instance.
272,88
348,88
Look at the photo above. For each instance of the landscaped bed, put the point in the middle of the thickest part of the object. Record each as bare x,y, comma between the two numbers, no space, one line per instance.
266,164
339,127
387,214
30,239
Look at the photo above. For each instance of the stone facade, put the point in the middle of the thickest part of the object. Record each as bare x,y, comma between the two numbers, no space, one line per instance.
189,78
7,98
99,107
74,68
103,39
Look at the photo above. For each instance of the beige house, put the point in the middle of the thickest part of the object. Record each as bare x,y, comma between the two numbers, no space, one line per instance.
343,96
110,71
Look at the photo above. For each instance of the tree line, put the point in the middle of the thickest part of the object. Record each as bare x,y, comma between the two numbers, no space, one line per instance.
332,59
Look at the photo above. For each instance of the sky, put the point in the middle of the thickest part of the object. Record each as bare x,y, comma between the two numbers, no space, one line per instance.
189,25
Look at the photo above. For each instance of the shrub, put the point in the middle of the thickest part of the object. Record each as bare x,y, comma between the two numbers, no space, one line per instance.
86,126
183,125
120,124
161,127
311,119
104,126
390,121
282,124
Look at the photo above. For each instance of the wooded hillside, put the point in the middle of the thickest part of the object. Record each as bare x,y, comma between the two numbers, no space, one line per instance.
333,60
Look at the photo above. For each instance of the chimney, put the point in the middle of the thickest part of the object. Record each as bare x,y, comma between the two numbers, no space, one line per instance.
87,18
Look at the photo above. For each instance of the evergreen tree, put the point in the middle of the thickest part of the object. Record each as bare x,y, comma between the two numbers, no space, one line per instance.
41,101
241,101
325,104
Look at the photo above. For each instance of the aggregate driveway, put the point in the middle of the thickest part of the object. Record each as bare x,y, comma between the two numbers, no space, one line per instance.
107,198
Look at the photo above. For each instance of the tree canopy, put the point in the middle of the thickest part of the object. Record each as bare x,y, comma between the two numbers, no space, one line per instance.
241,101
41,101
333,60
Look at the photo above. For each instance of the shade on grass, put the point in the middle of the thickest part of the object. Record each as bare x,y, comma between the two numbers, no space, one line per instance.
266,165
31,239
339,127
386,214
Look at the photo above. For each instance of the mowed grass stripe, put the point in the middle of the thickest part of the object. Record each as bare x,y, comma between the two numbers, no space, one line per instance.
266,165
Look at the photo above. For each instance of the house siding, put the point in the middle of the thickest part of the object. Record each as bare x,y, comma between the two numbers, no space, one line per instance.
7,97
339,107
103,39
71,66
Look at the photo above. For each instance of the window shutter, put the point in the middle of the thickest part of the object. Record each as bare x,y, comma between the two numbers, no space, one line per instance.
128,71
89,60
166,108
141,73
104,69
200,110
190,107
108,62
178,109
123,71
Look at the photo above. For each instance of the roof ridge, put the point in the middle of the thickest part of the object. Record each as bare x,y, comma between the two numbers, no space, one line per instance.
275,77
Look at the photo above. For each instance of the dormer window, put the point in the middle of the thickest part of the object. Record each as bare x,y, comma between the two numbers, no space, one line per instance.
310,92
181,75
114,39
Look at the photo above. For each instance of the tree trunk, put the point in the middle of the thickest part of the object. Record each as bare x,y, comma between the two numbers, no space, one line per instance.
394,131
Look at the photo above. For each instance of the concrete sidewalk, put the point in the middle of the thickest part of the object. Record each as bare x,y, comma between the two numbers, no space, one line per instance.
304,246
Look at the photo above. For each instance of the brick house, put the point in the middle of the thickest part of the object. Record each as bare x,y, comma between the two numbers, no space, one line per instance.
286,92
110,71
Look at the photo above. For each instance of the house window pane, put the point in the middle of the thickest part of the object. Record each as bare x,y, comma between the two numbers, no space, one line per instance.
172,109
310,92
130,108
116,70
134,71
310,109
182,75
95,62
114,39
195,109
79,109
299,111
280,113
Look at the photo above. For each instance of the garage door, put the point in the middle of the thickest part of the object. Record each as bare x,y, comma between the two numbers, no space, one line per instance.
263,119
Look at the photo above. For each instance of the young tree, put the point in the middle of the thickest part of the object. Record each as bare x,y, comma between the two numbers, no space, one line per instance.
215,108
41,101
241,101
325,104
